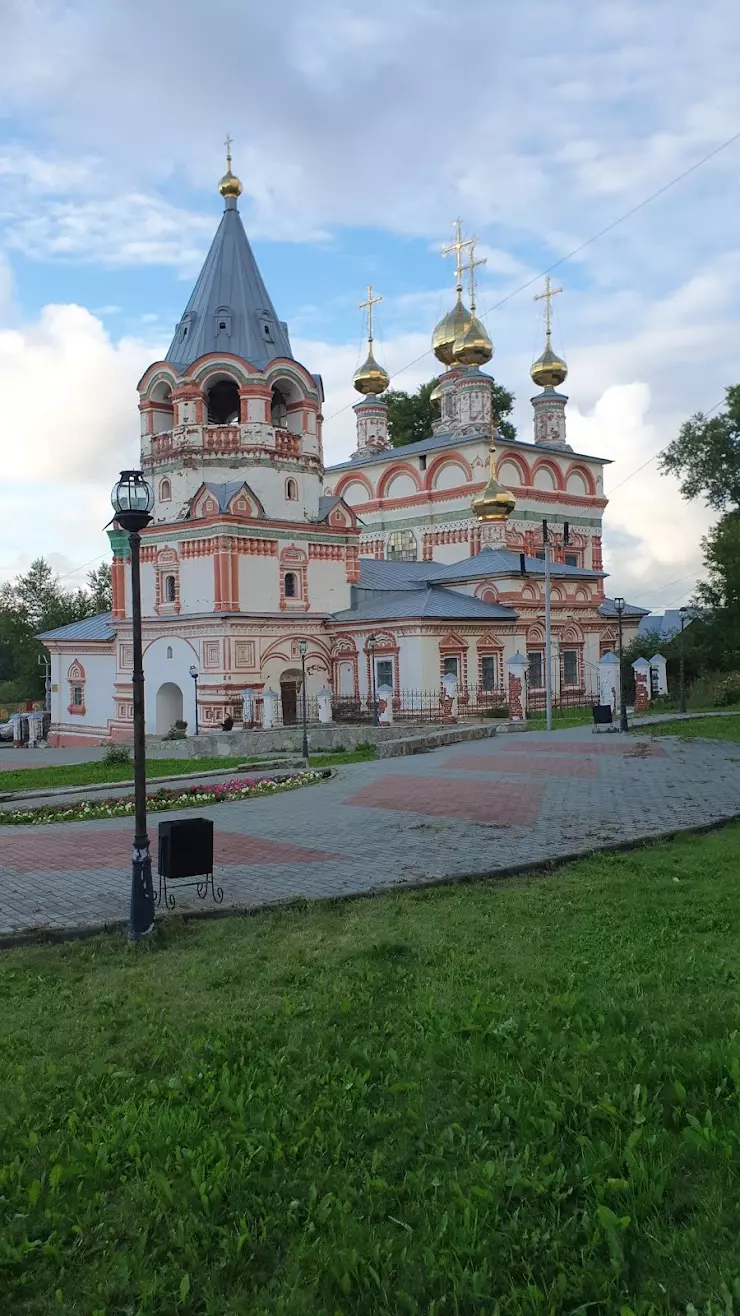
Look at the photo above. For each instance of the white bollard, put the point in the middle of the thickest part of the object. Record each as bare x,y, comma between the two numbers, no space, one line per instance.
516,668
384,696
269,708
609,682
449,698
324,700
658,675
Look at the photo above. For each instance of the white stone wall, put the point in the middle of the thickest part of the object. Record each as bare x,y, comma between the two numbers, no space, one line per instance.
98,691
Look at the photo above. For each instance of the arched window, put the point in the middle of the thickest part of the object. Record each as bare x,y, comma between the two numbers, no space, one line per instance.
291,490
291,590
165,491
402,546
278,410
222,399
169,589
169,646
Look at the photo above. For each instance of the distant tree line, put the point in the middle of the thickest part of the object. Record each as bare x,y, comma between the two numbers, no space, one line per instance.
34,602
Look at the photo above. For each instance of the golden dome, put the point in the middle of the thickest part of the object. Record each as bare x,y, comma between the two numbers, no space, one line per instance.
436,393
473,347
450,327
549,370
495,503
230,184
371,378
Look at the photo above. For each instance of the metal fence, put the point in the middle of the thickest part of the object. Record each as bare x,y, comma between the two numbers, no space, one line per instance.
583,694
408,706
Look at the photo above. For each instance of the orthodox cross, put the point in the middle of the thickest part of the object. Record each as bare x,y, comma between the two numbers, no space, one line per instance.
368,306
547,297
471,267
458,246
227,144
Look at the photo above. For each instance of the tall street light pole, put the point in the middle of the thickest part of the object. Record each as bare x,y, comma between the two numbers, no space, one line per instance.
133,500
302,648
623,723
683,613
194,674
548,630
372,640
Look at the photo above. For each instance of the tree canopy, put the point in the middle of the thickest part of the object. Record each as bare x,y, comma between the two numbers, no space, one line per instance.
34,602
706,455
411,415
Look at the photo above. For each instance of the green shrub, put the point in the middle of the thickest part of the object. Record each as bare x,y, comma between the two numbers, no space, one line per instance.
177,731
497,712
115,754
715,690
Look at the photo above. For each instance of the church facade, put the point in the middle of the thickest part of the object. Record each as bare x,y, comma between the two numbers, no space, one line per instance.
395,567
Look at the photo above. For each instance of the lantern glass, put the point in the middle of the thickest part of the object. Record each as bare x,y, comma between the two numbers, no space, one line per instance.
132,493
619,604
193,671
302,647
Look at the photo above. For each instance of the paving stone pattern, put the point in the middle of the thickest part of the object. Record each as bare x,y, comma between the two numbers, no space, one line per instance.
455,812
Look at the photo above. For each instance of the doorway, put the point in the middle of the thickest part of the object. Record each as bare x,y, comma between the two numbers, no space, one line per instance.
169,707
291,682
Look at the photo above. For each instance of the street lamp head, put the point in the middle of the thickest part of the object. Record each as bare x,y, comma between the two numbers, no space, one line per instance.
372,640
302,648
194,672
619,605
132,500
684,611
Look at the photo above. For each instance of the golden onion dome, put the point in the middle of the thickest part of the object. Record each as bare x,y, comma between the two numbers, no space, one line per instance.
450,327
473,347
549,370
371,378
230,185
494,504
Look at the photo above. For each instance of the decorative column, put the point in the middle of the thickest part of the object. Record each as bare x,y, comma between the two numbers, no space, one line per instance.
516,668
658,675
384,695
449,698
324,699
269,704
549,419
641,669
473,397
372,426
609,692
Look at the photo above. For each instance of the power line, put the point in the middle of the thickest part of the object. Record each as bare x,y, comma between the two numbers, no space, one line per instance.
577,250
657,454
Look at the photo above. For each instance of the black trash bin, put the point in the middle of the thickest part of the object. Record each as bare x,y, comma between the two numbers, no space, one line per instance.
602,714
186,851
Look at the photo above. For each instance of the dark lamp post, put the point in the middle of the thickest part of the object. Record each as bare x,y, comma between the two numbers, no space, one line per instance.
683,614
194,674
623,723
133,500
302,649
372,640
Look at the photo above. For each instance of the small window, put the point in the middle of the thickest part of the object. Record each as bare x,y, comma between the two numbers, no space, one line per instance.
185,332
488,671
423,462
222,324
451,666
290,585
535,670
267,331
384,671
169,589
165,491
571,559
291,490
541,555
402,546
169,650
77,696
570,667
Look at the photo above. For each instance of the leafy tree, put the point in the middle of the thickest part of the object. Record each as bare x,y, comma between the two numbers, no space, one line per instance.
706,455
100,585
411,415
35,602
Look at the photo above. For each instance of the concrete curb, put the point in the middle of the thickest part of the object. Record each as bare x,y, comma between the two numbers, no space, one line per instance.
94,788
82,932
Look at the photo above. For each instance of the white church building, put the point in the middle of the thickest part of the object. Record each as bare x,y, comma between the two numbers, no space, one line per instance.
379,561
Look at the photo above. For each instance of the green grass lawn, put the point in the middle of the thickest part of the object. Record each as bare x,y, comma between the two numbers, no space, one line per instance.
709,728
87,774
501,1098
561,717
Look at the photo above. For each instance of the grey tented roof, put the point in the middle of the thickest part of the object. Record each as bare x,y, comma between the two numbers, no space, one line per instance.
666,624
91,628
223,493
230,290
489,562
607,609
442,604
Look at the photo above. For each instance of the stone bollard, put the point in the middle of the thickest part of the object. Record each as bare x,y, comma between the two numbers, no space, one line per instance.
449,698
17,720
516,667
609,684
324,698
269,707
641,669
658,675
248,708
35,729
384,695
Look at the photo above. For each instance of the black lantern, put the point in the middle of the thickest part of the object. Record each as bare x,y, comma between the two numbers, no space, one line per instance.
133,500
194,674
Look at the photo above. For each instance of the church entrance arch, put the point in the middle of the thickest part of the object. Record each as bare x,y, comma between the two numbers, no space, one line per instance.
169,707
291,681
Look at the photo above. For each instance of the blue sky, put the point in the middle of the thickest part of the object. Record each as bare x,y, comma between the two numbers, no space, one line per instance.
359,134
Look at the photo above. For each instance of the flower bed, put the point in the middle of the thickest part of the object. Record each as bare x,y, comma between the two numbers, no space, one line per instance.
166,797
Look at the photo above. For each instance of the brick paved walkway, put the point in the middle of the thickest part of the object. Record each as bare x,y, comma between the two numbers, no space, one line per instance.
462,810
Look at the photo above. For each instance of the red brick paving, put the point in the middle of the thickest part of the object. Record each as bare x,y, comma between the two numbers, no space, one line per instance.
63,847
600,745
504,802
548,766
